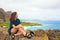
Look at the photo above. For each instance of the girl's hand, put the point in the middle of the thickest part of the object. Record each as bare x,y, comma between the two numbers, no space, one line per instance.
13,26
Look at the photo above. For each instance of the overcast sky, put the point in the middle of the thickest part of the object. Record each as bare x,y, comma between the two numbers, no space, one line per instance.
33,9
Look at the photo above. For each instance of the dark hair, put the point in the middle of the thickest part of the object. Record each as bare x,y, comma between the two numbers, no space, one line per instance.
13,15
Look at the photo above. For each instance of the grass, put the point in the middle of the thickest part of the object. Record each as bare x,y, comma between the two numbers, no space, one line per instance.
7,24
30,24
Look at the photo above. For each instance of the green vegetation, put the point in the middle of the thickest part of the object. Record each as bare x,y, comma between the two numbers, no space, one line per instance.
30,24
23,23
5,24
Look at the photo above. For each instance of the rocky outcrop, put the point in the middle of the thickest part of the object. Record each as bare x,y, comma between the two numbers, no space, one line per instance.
39,35
4,16
53,34
5,36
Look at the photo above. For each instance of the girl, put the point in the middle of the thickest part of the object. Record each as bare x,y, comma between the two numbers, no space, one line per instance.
15,26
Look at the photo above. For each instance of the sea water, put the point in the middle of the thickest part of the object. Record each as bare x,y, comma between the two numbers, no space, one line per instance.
46,25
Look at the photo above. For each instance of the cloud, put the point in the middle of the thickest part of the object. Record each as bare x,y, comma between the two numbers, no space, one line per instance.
47,3
34,9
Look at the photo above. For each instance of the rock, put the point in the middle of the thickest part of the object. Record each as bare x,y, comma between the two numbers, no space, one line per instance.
5,36
2,15
32,39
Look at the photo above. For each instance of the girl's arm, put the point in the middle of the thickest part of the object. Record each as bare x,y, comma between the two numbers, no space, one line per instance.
19,25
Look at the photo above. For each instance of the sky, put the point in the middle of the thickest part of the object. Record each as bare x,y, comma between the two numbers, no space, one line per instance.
33,9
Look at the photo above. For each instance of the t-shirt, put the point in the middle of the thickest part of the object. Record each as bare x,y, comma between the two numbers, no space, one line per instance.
17,22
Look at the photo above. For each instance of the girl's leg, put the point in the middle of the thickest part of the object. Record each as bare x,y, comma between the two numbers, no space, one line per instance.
20,29
23,31
13,30
18,33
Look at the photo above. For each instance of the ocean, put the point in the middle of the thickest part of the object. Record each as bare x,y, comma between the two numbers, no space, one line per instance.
46,25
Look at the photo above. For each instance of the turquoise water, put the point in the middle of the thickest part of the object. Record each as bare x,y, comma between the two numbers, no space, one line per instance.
46,25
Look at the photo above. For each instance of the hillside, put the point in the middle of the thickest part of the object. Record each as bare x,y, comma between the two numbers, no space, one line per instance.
5,36
39,35
4,15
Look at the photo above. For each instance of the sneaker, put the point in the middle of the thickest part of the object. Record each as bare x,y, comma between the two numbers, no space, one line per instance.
12,36
27,36
32,34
